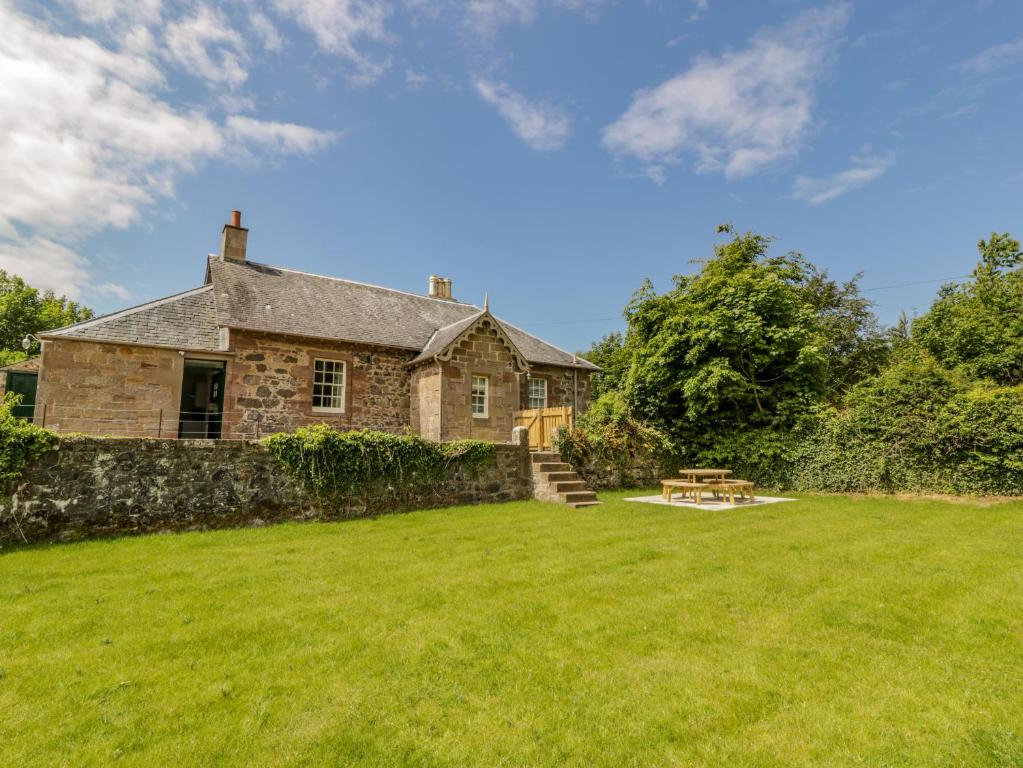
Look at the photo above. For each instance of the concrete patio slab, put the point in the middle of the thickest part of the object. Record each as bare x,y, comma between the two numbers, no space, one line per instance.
709,502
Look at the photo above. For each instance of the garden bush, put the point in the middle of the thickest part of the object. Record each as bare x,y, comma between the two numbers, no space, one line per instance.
917,427
982,440
611,448
21,443
346,468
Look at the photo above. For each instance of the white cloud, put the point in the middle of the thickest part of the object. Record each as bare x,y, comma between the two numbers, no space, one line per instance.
995,57
414,81
540,124
486,17
739,112
121,11
283,138
339,26
816,191
87,141
267,32
190,41
48,265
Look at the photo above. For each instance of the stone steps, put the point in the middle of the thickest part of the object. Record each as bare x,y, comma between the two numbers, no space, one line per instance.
554,480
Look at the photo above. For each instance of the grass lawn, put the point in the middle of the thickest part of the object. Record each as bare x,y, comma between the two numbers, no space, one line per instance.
827,631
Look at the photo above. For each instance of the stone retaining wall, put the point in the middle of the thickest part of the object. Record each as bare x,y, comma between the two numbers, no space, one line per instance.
643,473
95,487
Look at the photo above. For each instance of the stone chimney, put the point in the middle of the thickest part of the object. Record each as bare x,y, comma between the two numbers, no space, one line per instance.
234,239
440,287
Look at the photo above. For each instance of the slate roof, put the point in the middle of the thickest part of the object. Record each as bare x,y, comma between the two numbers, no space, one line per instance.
185,320
258,297
444,337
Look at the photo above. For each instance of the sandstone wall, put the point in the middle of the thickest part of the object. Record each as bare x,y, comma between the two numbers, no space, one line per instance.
641,473
480,353
271,379
93,487
560,385
122,390
109,389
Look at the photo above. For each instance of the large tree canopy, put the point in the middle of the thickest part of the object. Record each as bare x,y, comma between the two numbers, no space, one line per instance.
977,326
750,341
25,310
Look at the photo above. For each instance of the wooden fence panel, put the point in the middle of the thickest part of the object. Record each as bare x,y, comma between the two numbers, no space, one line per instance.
542,423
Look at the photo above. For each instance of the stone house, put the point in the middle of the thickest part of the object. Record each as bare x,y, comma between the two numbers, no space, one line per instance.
258,349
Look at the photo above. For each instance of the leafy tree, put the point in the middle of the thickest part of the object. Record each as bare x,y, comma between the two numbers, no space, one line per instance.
25,310
613,358
740,344
855,344
977,325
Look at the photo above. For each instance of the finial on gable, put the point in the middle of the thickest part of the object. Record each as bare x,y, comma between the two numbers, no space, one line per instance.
486,302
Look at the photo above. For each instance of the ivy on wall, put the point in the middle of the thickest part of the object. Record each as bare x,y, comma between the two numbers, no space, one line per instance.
21,443
346,468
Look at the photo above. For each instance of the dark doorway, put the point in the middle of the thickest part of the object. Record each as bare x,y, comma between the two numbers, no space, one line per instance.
23,384
202,399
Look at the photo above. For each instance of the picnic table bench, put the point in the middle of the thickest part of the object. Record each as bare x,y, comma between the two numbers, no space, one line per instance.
727,488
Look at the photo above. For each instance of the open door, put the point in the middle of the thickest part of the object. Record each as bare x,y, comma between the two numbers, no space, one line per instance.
202,399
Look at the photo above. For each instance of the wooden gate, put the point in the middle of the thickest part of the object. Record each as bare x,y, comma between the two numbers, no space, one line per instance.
542,423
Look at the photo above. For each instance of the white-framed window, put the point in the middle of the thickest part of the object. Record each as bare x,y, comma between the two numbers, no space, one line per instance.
480,385
537,393
328,386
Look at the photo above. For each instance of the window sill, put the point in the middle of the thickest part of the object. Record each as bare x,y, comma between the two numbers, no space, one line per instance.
328,410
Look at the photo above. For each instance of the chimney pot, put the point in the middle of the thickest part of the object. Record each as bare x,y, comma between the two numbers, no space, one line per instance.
440,287
236,218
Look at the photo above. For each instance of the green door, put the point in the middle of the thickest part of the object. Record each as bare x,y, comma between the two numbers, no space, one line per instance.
25,385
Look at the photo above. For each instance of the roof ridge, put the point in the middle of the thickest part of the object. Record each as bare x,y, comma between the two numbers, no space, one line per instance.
129,311
451,302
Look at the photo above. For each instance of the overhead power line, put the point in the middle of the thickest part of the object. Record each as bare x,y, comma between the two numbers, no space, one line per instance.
917,282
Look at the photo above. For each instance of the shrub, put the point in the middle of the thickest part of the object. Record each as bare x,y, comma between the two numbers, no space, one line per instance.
982,440
884,436
916,427
344,467
610,445
763,455
21,442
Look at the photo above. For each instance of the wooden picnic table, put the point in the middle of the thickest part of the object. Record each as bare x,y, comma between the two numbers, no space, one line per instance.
725,488
710,475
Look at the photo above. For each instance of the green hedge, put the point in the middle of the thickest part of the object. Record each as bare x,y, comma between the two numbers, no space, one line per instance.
917,427
21,443
346,468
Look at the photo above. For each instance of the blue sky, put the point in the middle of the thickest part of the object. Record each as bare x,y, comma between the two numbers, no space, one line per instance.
550,152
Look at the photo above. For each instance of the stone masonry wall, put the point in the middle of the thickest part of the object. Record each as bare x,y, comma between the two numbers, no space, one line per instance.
271,378
480,353
560,383
641,473
92,487
109,389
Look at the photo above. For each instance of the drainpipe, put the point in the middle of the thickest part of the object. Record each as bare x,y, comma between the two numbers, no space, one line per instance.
575,390
440,400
